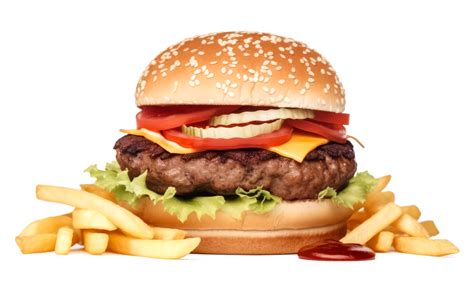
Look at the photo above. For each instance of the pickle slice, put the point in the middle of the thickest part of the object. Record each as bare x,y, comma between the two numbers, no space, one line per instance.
247,131
261,115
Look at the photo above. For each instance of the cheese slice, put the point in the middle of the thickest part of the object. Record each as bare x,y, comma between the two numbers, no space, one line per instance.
296,148
157,138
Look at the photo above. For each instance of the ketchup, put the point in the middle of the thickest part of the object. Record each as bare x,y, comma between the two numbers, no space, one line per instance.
333,250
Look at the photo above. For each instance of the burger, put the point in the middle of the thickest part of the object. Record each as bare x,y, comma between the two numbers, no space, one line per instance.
241,141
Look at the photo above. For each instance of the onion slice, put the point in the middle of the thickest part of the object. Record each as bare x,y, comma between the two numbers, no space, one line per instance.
246,131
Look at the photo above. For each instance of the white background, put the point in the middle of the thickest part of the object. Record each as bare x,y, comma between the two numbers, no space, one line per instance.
67,80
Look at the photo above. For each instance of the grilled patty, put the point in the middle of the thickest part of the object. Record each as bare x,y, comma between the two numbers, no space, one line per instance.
221,172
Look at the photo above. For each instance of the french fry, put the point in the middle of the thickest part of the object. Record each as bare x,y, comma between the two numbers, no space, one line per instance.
407,224
164,249
89,219
424,246
383,182
430,227
360,216
351,224
64,240
120,217
37,243
376,200
168,233
370,227
412,210
94,189
46,225
95,242
382,242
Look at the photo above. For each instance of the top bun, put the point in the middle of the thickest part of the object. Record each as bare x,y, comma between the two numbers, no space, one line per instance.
241,68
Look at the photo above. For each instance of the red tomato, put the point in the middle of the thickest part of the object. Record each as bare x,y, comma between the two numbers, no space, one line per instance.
331,117
333,132
275,138
157,118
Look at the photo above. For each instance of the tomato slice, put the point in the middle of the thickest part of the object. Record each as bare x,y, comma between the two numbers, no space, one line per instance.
158,118
331,117
275,138
333,132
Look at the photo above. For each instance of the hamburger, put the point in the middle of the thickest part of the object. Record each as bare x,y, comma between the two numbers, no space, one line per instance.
241,141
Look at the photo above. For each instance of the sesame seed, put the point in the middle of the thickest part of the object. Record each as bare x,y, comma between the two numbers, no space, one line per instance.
323,71
223,70
163,74
295,82
191,83
293,69
175,86
210,75
266,79
311,80
238,76
193,77
218,85
231,94
213,62
272,90
252,71
197,71
306,85
281,81
233,85
245,77
197,82
155,78
230,72
278,68
281,48
265,89
291,76
302,91
227,82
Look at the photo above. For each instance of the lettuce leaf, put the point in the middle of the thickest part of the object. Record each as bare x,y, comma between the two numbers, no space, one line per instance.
115,180
355,192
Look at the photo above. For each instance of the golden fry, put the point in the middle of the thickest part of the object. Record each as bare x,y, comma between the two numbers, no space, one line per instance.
370,227
164,249
376,200
424,246
64,240
94,189
382,242
412,210
89,219
168,233
46,225
407,224
120,217
430,227
37,243
95,242
383,182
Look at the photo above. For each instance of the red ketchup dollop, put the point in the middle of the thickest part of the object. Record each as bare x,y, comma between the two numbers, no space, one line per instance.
333,250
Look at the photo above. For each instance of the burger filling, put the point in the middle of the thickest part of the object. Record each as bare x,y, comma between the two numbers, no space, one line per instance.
204,159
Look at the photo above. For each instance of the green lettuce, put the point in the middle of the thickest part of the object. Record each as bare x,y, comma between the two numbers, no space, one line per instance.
355,192
117,181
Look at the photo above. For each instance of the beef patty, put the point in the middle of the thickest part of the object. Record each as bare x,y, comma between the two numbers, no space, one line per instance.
221,172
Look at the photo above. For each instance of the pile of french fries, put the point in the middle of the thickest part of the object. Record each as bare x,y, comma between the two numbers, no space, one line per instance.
100,225
382,225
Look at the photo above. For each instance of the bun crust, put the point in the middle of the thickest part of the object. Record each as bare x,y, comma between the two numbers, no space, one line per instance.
241,68
287,228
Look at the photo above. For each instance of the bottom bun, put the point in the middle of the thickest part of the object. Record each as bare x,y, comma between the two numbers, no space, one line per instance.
260,242
283,230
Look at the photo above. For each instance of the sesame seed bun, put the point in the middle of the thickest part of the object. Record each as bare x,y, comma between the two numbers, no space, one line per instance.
241,68
285,229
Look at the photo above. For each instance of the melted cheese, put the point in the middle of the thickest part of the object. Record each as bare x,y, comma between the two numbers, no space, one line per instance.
296,148
299,145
